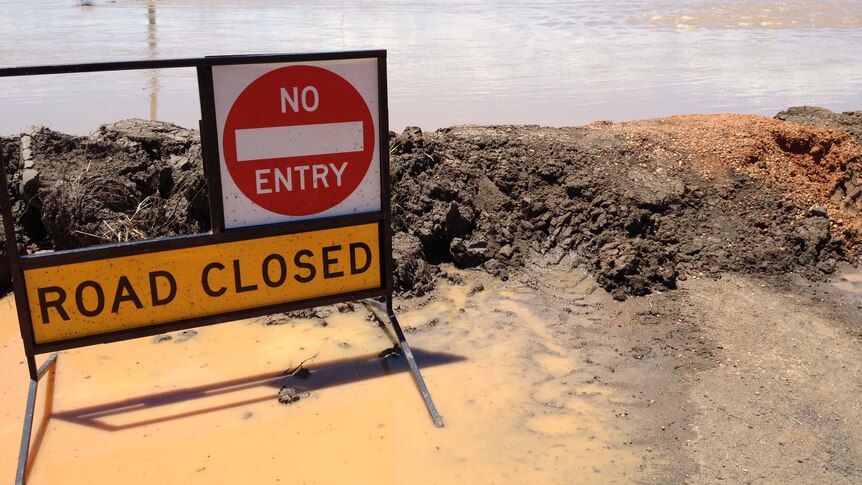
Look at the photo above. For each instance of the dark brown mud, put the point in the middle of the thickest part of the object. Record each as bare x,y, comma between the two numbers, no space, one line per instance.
641,205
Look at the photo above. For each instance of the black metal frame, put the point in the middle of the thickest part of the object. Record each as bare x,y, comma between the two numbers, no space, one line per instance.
209,147
24,452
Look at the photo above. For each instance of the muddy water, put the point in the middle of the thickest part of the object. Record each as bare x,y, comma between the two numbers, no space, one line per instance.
202,408
450,62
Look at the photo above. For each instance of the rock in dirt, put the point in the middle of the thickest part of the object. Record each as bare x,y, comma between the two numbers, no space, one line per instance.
413,274
288,395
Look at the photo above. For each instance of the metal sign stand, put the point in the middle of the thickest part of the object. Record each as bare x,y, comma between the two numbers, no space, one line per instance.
408,354
25,325
28,417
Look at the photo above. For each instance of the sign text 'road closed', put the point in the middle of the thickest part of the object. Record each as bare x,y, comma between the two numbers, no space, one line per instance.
108,295
298,140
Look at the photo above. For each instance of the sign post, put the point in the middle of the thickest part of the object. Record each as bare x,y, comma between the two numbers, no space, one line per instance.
295,152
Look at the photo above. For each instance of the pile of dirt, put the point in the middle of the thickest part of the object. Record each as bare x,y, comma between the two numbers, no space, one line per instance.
129,180
639,204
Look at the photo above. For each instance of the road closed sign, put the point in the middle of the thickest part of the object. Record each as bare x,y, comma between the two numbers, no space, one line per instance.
297,140
88,298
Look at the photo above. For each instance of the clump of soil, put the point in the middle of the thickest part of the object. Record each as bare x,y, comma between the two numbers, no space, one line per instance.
641,204
317,313
288,395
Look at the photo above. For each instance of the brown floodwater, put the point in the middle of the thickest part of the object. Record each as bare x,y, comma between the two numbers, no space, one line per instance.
203,408
548,62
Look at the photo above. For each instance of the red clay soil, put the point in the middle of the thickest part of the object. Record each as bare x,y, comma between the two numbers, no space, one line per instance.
815,163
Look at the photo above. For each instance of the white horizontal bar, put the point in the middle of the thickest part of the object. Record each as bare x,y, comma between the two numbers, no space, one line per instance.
299,140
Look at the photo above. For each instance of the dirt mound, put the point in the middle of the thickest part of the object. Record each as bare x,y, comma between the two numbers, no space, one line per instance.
641,204
130,180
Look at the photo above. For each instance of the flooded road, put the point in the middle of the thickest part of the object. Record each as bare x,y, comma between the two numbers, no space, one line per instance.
450,62
538,380
202,407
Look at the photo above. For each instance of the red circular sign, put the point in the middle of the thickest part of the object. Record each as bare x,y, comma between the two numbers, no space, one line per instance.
298,140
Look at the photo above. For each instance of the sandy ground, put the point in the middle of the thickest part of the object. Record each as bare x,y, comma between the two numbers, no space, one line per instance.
768,378
736,379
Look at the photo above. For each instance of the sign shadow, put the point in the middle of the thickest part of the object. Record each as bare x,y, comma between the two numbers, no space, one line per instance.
303,379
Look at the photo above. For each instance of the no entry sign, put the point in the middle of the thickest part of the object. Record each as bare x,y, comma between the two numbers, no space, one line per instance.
297,140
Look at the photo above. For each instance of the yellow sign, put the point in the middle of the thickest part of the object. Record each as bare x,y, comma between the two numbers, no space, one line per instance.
97,297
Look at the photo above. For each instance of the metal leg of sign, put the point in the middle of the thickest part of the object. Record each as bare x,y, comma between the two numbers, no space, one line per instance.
411,361
28,419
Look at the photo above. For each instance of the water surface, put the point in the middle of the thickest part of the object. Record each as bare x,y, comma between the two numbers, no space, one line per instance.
450,62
